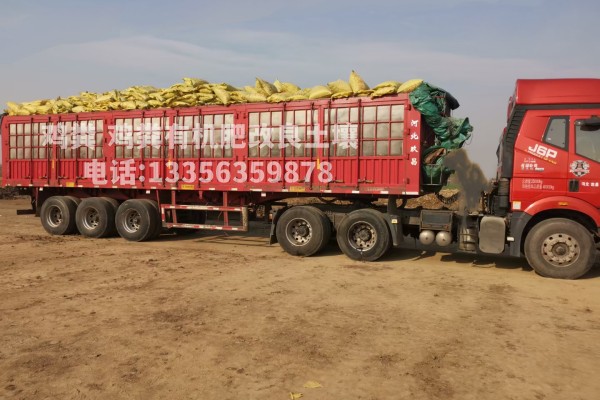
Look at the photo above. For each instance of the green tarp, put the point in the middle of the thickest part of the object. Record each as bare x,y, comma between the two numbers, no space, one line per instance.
450,133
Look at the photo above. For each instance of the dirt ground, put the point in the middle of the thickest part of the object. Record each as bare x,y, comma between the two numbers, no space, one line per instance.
216,316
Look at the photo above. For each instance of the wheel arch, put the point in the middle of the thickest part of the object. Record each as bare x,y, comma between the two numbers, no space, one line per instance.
583,219
567,206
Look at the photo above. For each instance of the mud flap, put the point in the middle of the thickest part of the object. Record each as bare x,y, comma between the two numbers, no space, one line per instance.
276,215
395,225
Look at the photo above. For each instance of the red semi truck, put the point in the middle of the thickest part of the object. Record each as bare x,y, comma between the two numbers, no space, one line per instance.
138,172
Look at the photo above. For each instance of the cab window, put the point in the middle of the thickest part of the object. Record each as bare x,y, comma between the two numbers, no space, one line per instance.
587,141
557,132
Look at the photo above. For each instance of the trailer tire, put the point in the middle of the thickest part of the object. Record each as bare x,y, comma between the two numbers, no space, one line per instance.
364,235
74,199
137,220
95,217
159,227
560,248
303,230
58,215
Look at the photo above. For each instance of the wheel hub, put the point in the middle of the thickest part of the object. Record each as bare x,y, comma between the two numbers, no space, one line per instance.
133,221
362,236
55,217
560,249
92,218
299,232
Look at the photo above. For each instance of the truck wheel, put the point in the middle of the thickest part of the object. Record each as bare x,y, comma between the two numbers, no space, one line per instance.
303,230
560,248
137,220
96,217
74,199
159,228
58,215
364,235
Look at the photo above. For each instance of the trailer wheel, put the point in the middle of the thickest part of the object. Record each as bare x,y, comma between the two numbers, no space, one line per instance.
303,230
560,248
364,235
159,227
95,217
58,215
74,199
137,220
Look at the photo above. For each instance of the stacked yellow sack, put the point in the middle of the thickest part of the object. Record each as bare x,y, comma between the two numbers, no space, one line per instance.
195,92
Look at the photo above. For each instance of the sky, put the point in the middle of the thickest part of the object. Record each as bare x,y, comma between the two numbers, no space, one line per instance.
475,49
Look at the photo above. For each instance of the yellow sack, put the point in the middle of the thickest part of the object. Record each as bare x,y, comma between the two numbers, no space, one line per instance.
156,96
13,108
409,86
155,103
204,98
253,97
298,96
383,91
105,98
31,108
103,107
342,95
278,97
319,92
168,94
265,87
357,83
79,109
128,105
194,82
238,97
394,84
288,87
224,86
278,85
363,93
223,95
339,86
45,109
186,89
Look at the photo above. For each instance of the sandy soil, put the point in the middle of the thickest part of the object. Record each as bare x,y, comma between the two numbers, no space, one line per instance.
229,317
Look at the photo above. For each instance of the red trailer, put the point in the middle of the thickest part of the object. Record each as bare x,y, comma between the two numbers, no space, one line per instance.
137,172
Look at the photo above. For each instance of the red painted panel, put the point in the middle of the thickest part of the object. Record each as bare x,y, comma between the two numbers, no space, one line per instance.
364,145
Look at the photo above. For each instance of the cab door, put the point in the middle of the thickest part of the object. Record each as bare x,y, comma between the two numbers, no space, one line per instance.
541,156
584,158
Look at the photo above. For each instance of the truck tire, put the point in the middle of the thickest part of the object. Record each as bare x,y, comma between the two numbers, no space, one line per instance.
364,235
159,227
74,199
137,220
560,248
95,217
58,215
303,230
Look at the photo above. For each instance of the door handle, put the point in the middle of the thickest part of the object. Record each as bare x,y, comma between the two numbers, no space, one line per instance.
573,185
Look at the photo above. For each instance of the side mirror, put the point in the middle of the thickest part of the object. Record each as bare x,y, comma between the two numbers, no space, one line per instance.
591,122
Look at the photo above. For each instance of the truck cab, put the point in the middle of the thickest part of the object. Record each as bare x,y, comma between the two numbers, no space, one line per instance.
549,158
